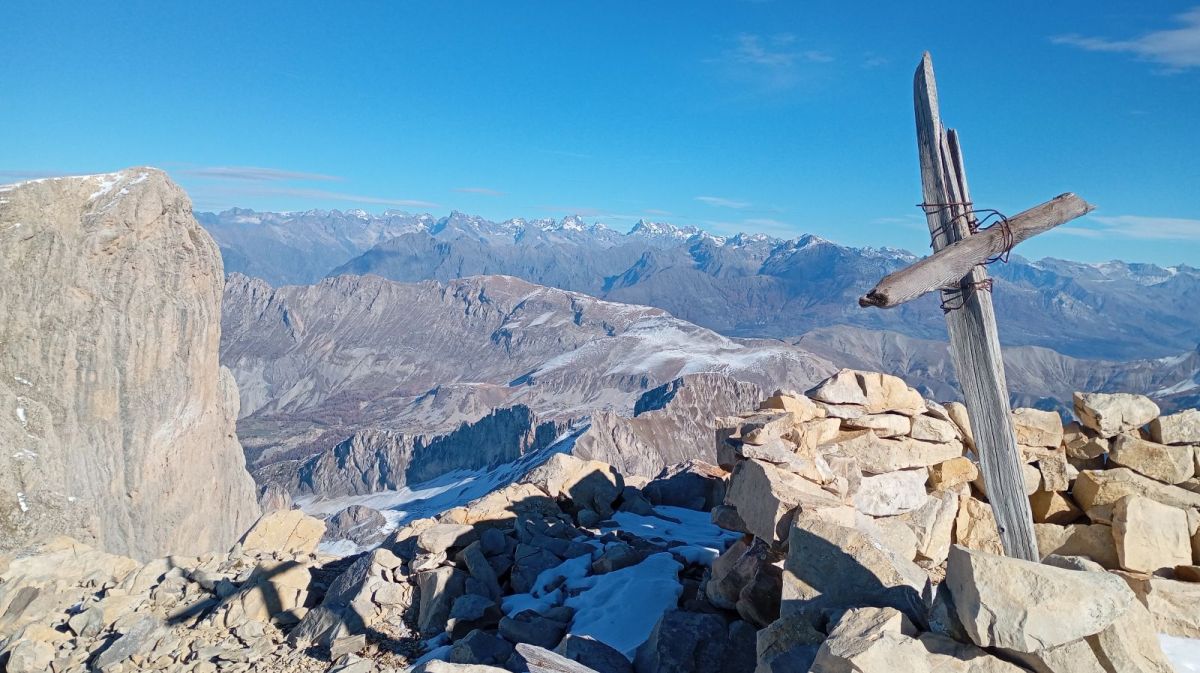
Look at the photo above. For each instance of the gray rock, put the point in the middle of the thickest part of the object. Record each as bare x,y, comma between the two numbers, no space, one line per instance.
357,523
438,589
528,563
480,647
530,627
684,642
692,485
470,612
594,654
135,639
616,555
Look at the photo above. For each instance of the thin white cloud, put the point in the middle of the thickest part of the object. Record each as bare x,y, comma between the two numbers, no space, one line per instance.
771,62
1137,227
1177,48
720,202
772,51
320,194
257,174
485,191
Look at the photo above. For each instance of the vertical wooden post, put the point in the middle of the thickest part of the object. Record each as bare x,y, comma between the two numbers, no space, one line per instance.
974,341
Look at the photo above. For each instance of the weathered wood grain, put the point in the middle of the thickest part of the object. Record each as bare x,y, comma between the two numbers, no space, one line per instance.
946,266
974,340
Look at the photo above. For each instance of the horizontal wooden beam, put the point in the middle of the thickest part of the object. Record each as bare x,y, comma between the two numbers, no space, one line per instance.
946,267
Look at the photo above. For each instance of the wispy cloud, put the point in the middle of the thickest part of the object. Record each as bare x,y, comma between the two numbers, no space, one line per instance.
773,62
256,174
1137,227
319,194
1177,48
873,60
485,191
720,202
659,213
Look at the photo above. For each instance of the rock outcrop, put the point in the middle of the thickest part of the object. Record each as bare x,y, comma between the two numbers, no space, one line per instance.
116,418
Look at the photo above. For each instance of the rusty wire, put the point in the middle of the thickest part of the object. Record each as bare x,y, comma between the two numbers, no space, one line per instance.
954,298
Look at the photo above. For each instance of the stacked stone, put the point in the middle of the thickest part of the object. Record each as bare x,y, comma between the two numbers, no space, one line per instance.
853,496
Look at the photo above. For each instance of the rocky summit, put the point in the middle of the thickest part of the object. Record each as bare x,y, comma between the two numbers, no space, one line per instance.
116,420
843,530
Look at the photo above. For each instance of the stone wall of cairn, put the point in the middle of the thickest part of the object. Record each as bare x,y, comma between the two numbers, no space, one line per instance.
865,511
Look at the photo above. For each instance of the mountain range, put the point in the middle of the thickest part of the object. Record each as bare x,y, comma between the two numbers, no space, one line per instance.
748,285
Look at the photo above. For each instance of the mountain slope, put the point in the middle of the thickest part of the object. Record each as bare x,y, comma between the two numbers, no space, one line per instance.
318,363
746,285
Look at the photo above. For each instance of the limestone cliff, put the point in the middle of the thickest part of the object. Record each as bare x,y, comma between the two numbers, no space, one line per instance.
116,419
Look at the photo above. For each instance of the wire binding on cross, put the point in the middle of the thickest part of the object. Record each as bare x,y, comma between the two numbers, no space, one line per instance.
954,298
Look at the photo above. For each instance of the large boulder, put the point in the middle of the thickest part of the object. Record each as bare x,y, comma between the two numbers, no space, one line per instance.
766,497
891,493
1129,645
117,417
1095,541
880,640
1110,414
586,484
692,485
1172,603
286,531
1035,427
1180,428
1150,536
878,455
684,642
1097,488
830,566
1163,462
358,524
1026,607
874,391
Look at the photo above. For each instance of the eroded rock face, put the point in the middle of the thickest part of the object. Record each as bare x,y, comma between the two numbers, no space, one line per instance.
119,417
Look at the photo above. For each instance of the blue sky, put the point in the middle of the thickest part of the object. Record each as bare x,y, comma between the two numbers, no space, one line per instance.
782,117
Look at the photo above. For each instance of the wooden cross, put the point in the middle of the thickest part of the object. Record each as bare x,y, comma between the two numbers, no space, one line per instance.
956,270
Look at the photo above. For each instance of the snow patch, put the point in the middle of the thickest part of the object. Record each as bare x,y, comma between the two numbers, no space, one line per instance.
21,502
107,182
701,540
18,379
21,417
1183,653
621,608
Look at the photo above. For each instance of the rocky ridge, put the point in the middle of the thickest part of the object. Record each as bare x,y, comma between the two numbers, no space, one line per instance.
117,420
368,358
845,529
745,285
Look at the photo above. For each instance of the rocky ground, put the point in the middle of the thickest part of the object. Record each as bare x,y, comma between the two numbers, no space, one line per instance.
843,530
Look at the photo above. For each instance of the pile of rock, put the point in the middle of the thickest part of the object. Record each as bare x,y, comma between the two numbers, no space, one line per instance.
72,608
495,583
858,498
852,533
